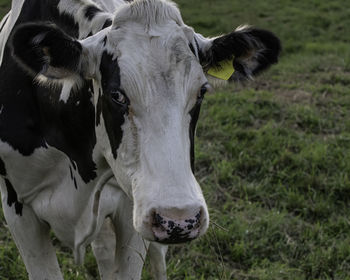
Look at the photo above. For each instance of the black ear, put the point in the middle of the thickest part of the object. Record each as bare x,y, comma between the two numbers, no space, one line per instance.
45,49
252,51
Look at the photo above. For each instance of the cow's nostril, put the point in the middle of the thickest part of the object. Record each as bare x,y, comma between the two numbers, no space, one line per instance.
169,230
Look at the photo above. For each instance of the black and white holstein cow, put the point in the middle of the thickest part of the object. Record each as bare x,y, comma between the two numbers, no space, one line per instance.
98,107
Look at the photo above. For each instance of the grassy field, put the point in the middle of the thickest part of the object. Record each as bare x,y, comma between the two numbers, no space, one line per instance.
273,156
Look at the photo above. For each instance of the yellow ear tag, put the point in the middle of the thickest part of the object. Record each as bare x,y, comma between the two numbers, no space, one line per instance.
224,71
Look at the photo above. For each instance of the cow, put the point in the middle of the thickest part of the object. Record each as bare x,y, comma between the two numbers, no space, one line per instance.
99,103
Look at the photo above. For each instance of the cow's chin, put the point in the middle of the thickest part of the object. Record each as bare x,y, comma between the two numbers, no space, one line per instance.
171,225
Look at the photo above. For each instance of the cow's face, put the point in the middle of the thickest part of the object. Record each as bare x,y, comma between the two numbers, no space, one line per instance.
154,84
149,81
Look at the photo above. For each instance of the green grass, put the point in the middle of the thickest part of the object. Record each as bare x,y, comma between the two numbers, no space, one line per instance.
273,157
4,7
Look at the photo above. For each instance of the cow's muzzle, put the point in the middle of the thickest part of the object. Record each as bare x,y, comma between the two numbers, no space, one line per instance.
170,231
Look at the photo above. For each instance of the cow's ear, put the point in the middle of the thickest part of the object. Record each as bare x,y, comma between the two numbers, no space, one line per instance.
248,50
47,53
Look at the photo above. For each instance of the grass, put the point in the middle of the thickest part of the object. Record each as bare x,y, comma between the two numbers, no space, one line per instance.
273,157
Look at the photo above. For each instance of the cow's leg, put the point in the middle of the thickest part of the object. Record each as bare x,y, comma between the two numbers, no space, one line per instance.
118,247
156,253
104,250
131,248
33,241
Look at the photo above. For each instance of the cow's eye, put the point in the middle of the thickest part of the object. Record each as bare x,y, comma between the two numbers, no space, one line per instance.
118,97
202,91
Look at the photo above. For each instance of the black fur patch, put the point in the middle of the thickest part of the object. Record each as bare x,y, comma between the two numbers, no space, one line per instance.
70,128
20,118
71,172
38,46
104,41
194,113
235,44
99,108
12,198
271,51
107,23
113,113
2,168
65,21
91,11
192,49
75,183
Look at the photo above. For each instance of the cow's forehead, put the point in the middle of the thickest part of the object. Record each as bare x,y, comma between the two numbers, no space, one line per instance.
157,62
159,68
149,13
166,51
153,28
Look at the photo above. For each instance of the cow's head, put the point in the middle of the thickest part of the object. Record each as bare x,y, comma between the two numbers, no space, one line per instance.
149,75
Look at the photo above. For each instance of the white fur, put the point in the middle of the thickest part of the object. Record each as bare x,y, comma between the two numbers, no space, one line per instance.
151,13
109,6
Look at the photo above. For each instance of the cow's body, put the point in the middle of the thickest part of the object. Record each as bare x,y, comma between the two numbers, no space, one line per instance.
61,147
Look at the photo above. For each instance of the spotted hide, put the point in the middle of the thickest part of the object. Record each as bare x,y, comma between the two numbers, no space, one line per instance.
98,108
